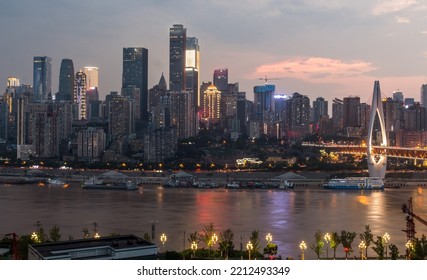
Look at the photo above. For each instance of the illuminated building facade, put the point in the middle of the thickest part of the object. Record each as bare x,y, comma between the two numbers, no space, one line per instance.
90,144
92,77
212,105
192,68
263,101
80,95
42,78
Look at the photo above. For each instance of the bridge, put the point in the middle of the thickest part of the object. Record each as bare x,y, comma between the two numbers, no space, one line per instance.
376,155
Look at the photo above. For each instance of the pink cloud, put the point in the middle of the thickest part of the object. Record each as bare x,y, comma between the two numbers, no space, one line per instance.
316,69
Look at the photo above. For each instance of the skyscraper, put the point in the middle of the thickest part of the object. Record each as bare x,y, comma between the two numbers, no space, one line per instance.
91,77
192,68
42,78
177,51
263,100
66,81
220,79
424,95
135,77
212,105
350,111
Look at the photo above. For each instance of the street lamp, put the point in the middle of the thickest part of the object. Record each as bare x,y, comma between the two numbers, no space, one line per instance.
327,240
163,239
214,240
302,246
249,247
386,238
194,248
268,237
362,247
409,246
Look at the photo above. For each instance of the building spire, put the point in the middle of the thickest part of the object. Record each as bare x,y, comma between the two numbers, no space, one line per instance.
162,83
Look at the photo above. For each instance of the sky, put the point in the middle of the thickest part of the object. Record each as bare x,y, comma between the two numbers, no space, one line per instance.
328,48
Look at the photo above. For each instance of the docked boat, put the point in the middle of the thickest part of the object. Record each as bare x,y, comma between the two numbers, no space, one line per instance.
56,182
97,184
355,183
286,185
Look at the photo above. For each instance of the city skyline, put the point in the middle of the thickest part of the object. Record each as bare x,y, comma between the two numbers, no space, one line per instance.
326,48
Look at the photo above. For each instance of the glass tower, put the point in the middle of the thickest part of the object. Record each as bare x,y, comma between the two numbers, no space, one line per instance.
135,76
66,81
42,78
177,49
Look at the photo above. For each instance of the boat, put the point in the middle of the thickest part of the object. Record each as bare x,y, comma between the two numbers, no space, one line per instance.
355,183
56,182
286,185
232,185
97,184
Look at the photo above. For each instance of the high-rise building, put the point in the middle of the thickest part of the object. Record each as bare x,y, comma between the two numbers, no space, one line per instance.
398,96
42,78
90,144
80,95
337,114
177,60
192,68
135,76
182,114
92,77
424,95
350,111
212,105
120,116
298,116
320,108
220,79
263,100
66,81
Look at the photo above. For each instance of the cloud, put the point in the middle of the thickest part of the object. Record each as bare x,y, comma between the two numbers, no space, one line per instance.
316,69
391,6
402,19
424,32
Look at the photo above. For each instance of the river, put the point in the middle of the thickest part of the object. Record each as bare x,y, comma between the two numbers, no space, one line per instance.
290,216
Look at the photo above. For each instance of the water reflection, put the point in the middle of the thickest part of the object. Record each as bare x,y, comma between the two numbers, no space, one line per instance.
290,216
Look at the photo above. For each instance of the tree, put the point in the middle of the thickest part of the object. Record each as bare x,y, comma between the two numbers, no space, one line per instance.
347,239
367,237
85,232
207,234
255,242
335,241
420,248
270,249
394,251
54,234
194,237
317,247
379,247
226,242
145,237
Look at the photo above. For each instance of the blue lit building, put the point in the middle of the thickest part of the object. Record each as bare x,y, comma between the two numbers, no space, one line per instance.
263,100
42,78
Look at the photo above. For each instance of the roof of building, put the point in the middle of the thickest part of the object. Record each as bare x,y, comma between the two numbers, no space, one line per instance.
118,242
182,174
290,176
113,174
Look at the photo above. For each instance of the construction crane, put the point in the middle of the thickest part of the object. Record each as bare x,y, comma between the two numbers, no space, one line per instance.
266,79
410,225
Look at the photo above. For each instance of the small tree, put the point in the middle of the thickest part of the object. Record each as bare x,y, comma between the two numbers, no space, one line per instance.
394,251
347,239
54,234
367,237
255,242
146,236
226,244
335,241
317,247
206,236
86,235
379,247
270,249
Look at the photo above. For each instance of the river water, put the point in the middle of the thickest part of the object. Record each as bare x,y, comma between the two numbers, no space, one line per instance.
290,216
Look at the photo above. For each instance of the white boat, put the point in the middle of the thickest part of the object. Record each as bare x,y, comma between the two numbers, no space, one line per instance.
56,182
286,185
355,183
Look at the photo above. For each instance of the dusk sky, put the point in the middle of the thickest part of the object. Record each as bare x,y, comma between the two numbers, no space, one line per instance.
329,48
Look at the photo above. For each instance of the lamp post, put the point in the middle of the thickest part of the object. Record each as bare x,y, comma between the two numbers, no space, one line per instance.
386,238
214,240
249,247
327,240
163,239
302,246
409,246
362,247
194,248
268,237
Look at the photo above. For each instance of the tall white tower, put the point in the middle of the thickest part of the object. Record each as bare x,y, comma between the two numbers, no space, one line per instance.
377,164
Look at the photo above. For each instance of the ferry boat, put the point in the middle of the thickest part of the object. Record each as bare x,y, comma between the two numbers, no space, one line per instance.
95,183
355,183
57,182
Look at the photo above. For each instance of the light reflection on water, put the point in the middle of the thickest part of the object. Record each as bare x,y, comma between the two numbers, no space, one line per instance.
290,216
